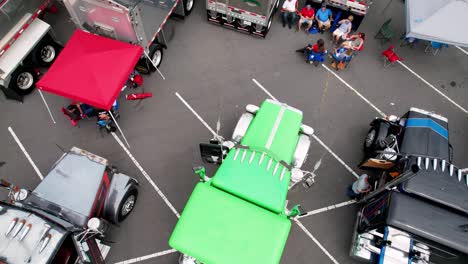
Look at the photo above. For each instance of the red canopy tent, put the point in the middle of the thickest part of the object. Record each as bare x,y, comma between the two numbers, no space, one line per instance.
91,69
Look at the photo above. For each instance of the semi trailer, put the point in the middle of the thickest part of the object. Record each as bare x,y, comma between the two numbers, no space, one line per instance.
133,21
248,16
26,42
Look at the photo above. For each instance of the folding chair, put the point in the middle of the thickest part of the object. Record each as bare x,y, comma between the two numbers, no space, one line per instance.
390,57
407,41
434,47
385,32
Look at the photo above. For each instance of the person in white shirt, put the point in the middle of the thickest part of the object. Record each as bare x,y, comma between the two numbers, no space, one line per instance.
288,12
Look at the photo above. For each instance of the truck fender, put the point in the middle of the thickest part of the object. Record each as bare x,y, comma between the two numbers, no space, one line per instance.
120,186
242,126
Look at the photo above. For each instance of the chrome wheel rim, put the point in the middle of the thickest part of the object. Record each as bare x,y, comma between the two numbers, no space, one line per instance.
128,205
157,57
189,5
48,53
25,80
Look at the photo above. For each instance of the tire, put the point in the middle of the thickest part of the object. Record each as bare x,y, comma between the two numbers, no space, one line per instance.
23,80
46,52
188,6
124,211
370,139
156,54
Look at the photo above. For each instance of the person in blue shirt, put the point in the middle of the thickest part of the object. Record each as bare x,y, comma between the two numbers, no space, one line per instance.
323,18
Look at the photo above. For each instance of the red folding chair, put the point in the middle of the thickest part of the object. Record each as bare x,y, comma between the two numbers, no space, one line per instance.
390,57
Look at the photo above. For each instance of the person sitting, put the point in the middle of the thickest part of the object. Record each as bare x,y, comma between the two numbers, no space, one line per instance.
104,120
354,42
77,111
341,57
343,29
316,53
324,17
306,16
359,188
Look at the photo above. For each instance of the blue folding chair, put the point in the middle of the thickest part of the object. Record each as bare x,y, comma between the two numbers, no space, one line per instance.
434,47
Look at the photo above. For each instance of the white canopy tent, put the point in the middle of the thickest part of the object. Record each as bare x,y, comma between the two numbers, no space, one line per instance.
441,21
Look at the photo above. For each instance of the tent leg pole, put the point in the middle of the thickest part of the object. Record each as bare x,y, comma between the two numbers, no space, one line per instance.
154,65
118,127
47,106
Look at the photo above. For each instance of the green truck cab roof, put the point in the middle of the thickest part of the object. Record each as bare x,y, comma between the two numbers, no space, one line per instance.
216,227
238,216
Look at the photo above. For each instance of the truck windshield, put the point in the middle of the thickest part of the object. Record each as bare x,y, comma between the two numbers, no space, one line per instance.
70,218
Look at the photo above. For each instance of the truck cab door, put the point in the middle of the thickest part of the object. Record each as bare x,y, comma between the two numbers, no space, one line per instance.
88,250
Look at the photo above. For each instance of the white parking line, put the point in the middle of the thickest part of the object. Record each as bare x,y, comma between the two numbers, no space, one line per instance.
316,241
314,136
155,255
335,156
355,91
432,86
327,208
20,145
265,90
137,164
195,113
462,50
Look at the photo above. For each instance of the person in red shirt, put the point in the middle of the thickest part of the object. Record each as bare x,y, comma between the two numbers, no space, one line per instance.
307,16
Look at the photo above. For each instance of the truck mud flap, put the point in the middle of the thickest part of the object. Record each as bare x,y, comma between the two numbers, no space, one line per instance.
10,94
213,18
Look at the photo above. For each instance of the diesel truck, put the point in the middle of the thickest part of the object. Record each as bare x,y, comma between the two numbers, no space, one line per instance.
239,215
417,211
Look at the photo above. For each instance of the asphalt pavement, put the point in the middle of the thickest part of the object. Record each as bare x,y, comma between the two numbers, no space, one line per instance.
212,69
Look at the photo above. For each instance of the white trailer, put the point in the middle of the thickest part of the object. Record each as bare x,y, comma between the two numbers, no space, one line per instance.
139,22
249,16
26,42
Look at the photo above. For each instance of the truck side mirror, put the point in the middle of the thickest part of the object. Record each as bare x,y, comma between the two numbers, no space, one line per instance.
200,171
297,210
213,153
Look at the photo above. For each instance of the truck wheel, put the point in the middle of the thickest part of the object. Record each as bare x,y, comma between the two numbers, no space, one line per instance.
23,80
370,139
188,6
156,55
46,52
127,204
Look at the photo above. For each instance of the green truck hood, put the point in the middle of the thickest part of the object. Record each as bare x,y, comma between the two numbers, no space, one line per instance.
276,128
218,228
259,173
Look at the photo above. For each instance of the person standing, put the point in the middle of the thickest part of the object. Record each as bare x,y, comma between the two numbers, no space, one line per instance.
359,187
324,17
288,12
343,29
306,16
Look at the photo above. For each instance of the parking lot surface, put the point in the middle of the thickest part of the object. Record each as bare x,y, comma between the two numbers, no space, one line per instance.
212,69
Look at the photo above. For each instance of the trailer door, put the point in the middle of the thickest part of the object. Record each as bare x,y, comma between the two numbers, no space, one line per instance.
103,18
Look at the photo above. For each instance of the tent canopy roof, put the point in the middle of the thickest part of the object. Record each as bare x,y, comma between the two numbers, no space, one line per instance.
437,20
91,69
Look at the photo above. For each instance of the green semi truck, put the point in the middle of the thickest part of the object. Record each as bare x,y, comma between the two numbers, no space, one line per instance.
239,215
